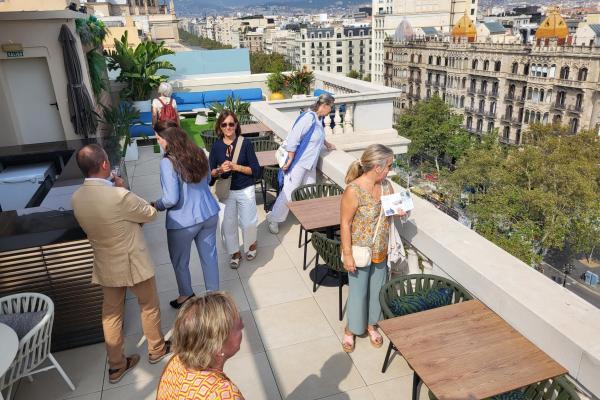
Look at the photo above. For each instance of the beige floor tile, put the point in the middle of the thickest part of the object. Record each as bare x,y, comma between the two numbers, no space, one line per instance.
356,394
144,371
290,323
91,396
253,376
143,390
369,360
268,259
85,367
263,290
328,303
397,388
148,193
251,339
236,290
312,370
225,271
145,181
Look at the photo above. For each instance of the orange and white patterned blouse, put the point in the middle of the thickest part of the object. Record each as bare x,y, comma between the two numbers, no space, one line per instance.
179,383
365,222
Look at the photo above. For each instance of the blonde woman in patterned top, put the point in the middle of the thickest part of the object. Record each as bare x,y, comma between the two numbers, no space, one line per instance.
360,210
207,332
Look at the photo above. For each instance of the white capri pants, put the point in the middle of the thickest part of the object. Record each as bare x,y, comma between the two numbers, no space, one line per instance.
239,211
298,177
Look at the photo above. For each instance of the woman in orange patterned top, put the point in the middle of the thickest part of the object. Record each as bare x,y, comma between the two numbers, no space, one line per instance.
360,225
207,332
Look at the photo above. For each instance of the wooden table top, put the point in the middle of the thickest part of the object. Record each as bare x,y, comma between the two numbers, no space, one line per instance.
254,128
323,212
266,158
466,351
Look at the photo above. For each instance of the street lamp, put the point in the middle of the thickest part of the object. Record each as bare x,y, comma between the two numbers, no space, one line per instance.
567,270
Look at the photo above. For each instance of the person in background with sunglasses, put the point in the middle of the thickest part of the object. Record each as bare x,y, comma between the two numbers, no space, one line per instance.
240,204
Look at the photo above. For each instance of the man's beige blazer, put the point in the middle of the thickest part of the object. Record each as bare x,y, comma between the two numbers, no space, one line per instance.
112,217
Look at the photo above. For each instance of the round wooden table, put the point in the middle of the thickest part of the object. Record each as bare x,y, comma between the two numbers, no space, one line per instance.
10,345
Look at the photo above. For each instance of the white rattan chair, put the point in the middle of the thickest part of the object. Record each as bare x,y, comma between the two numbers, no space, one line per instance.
34,347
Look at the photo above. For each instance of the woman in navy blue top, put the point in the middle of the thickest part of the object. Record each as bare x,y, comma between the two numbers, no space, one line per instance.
240,205
192,211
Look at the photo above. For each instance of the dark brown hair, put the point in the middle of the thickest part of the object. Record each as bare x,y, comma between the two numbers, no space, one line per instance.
89,158
224,114
189,160
164,124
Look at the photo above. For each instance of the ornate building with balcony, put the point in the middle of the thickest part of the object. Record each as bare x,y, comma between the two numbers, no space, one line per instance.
501,86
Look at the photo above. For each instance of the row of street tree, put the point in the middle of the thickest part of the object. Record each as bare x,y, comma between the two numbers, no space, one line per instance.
528,199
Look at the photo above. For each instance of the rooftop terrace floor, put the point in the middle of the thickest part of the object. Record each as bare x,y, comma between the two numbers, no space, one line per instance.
291,347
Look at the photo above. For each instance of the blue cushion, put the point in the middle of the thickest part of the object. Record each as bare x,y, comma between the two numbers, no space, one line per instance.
438,297
145,117
22,323
514,395
421,301
141,130
188,97
189,107
216,96
408,304
248,94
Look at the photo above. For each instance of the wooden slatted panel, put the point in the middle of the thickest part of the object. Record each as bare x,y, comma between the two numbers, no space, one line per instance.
62,271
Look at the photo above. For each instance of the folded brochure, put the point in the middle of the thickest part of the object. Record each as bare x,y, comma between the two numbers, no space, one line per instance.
401,200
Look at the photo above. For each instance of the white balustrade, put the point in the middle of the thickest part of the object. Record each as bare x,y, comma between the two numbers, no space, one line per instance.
337,119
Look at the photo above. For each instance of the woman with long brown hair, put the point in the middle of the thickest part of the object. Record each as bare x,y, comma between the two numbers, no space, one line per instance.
192,211
233,163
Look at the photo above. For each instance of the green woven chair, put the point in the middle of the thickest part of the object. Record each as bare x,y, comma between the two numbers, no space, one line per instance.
264,144
329,251
269,183
313,191
209,138
408,284
558,388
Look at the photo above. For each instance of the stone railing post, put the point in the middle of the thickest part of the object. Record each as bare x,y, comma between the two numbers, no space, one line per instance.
328,130
348,119
337,119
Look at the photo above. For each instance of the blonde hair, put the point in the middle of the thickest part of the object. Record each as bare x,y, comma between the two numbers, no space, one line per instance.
375,155
165,89
202,327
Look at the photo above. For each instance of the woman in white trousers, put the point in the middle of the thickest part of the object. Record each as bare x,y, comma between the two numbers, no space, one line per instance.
301,169
240,204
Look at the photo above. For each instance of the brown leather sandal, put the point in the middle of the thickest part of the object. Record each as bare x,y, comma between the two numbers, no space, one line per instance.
115,375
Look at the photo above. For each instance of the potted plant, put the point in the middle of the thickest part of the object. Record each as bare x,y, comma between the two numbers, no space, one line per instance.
299,82
240,108
117,121
139,69
276,85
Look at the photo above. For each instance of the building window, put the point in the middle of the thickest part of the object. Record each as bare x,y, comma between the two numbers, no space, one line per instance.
573,125
526,70
472,11
515,68
338,35
564,72
582,74
349,33
497,66
474,64
430,60
361,33
486,65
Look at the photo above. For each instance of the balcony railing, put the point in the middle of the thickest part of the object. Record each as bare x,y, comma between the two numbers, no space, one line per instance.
493,93
491,114
559,106
575,108
506,118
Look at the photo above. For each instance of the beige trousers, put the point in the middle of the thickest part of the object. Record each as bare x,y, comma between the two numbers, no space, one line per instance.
113,308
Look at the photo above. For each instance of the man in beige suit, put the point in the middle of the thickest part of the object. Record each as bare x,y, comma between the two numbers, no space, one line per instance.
111,216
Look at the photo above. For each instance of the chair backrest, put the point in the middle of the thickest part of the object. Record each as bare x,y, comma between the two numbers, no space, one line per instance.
34,347
270,176
316,190
558,388
264,145
329,250
414,283
209,138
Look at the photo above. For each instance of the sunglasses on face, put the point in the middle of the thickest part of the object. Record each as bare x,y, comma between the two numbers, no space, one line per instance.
227,124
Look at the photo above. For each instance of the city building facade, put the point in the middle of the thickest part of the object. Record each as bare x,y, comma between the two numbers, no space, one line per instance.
498,85
338,49
387,14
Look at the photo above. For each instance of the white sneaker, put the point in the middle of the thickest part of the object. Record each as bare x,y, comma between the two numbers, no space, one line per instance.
273,227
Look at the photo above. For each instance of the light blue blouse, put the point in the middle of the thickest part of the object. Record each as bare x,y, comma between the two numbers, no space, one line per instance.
310,157
187,204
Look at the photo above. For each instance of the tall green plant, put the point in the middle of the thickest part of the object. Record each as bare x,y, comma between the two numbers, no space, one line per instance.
139,67
298,82
240,108
118,119
276,82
